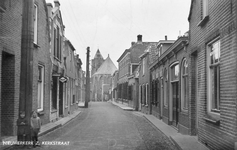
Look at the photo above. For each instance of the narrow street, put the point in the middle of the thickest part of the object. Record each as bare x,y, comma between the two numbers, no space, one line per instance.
104,126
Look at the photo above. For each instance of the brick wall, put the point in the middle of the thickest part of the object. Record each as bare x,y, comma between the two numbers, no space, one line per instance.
222,15
10,31
41,56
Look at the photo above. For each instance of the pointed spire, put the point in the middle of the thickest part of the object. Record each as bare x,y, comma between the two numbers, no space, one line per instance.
98,54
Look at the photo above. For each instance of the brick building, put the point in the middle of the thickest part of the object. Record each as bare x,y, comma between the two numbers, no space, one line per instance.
56,27
212,51
70,101
128,62
169,84
24,89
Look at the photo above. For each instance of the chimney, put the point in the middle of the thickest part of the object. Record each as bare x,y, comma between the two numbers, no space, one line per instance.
49,7
132,43
139,38
166,37
56,3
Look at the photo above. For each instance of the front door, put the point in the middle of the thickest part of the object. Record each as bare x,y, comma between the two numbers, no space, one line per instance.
175,89
60,98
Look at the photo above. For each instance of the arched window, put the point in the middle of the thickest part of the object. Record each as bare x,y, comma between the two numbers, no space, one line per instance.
184,85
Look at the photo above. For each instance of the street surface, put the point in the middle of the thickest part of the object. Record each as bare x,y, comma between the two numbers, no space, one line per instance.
104,126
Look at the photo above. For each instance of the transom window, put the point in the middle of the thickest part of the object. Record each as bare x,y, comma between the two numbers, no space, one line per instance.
175,73
213,61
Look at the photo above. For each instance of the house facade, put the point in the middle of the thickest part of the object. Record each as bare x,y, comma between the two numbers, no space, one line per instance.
114,86
212,51
56,55
24,87
128,62
70,101
170,86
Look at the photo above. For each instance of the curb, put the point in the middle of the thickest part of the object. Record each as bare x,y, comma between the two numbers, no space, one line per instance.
176,144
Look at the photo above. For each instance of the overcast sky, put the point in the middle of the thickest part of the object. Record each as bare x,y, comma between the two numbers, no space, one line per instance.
111,25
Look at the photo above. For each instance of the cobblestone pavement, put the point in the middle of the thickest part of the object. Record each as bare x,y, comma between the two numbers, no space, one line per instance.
104,126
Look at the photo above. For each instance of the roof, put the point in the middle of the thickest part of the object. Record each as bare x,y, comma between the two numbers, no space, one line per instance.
98,54
107,67
190,11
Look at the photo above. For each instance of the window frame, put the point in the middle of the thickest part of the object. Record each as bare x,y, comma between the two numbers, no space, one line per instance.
165,87
210,66
41,81
35,24
184,85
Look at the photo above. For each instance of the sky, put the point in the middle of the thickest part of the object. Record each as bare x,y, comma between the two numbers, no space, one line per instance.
111,25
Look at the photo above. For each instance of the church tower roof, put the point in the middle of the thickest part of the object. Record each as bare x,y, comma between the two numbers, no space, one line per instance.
98,54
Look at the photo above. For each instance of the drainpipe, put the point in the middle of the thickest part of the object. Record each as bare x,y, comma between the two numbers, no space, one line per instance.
26,75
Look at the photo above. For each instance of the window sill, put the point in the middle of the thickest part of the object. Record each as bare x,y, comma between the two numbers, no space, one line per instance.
36,45
41,113
211,120
203,21
53,110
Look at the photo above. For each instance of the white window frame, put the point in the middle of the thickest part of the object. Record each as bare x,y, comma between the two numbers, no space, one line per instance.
35,24
147,94
215,111
184,88
41,90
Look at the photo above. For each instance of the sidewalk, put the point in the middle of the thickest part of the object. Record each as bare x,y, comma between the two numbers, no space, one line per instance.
183,142
45,128
124,107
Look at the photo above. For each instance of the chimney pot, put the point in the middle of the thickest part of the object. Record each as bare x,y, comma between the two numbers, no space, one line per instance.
166,37
139,38
56,3
132,43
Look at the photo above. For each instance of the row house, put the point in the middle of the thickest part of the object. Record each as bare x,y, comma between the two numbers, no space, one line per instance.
25,63
212,60
145,83
70,99
114,86
169,85
78,78
56,54
128,63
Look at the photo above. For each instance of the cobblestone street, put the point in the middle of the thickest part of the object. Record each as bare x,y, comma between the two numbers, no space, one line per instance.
104,126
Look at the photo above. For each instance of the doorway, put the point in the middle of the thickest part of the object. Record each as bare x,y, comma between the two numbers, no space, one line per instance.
7,94
175,98
60,99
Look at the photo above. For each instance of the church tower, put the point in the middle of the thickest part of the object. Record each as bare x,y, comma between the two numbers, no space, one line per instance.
96,62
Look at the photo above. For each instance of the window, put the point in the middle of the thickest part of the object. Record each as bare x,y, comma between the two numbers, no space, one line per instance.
175,73
35,24
40,87
146,103
55,42
144,94
213,73
143,66
184,84
165,87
